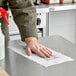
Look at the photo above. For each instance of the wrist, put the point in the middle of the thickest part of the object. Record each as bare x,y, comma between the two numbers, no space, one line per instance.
30,39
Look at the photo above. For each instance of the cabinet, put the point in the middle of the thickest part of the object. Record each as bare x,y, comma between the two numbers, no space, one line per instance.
20,65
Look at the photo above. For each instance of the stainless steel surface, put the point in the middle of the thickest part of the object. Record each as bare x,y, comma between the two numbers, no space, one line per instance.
18,63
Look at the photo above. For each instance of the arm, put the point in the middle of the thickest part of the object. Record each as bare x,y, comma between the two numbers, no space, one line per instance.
24,15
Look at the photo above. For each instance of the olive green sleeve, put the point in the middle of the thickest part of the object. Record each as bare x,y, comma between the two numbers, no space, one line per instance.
24,15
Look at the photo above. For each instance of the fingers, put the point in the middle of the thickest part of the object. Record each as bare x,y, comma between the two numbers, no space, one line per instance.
48,51
39,53
28,50
45,52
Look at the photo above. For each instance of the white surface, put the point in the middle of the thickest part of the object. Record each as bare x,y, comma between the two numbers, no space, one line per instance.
57,58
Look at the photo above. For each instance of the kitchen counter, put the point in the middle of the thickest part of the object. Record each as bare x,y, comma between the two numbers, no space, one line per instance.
19,63
45,8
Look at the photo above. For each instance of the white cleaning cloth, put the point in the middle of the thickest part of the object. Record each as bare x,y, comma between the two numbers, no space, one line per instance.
57,58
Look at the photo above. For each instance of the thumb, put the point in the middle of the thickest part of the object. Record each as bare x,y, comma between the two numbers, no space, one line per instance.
28,50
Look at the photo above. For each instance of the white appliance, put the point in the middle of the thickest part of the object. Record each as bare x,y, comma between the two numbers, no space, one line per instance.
41,24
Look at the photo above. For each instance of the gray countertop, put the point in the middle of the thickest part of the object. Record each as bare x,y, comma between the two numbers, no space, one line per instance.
59,44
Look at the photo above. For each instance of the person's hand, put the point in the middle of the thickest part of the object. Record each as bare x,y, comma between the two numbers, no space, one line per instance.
33,46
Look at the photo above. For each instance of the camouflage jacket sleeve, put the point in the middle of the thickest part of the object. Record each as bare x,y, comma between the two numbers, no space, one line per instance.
24,15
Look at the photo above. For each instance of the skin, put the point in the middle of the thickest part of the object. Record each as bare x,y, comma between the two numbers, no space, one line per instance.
33,46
